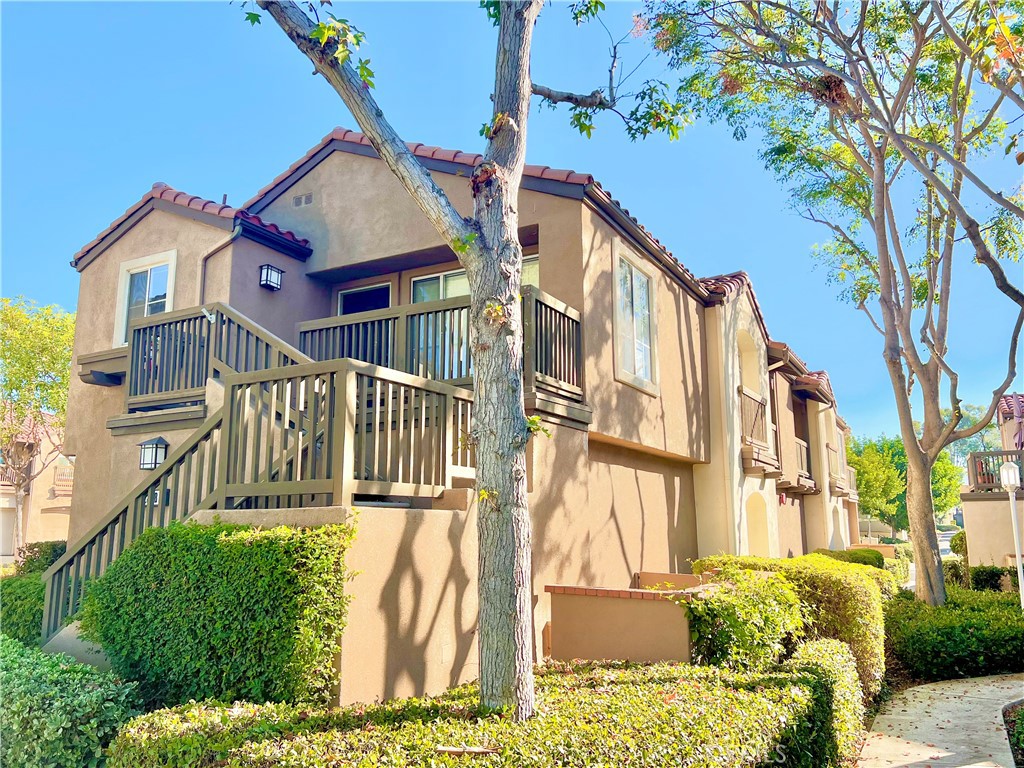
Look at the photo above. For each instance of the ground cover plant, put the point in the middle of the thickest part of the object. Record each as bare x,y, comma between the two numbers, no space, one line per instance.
224,612
609,714
974,634
57,712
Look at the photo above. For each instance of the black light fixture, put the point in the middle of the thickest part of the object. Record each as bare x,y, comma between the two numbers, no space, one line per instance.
152,453
270,277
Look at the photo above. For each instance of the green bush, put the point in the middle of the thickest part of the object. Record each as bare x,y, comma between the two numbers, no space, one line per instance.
838,694
860,556
843,601
610,714
958,544
746,622
21,608
40,555
224,612
947,527
974,634
57,712
899,568
904,549
990,577
953,571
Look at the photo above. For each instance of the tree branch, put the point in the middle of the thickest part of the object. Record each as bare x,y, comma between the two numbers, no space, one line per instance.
593,100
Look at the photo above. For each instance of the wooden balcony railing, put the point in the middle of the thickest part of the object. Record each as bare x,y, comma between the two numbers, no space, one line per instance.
63,480
983,468
7,476
803,457
835,469
431,339
308,434
754,413
172,354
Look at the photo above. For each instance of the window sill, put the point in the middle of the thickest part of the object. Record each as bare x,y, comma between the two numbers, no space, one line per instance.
647,387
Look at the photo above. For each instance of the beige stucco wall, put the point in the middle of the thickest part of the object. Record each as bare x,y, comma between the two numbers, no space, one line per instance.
791,542
600,626
989,528
737,513
1008,428
45,512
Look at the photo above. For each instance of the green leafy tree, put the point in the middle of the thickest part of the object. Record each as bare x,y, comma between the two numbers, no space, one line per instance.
883,462
879,480
35,370
878,122
486,242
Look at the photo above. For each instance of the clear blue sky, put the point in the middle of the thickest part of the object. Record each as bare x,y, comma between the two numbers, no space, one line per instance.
101,100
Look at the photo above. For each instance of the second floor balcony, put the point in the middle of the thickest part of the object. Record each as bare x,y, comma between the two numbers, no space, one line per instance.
983,469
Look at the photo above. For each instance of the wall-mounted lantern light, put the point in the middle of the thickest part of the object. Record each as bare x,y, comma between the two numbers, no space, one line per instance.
270,277
152,453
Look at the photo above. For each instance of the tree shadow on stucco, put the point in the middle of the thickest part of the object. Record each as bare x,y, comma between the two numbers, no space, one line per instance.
411,619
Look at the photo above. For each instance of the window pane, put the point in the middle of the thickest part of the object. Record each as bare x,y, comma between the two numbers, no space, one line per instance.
642,324
426,289
625,318
456,284
158,283
137,283
156,307
531,272
364,300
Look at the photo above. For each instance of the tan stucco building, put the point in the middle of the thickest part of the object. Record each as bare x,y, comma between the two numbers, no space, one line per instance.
679,428
986,504
47,505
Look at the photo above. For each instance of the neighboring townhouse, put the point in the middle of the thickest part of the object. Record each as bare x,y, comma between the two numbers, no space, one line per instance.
47,504
308,353
986,504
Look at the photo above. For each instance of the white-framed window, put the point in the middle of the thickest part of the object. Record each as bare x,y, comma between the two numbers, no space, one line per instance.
364,299
146,287
635,351
447,285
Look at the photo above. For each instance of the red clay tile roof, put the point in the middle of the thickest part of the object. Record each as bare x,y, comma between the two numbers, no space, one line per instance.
1012,404
472,159
818,380
161,191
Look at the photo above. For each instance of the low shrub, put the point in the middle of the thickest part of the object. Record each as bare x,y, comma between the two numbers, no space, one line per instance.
39,555
990,577
899,568
746,622
860,556
224,612
837,688
953,571
57,712
21,608
904,549
607,714
947,527
974,634
843,601
958,544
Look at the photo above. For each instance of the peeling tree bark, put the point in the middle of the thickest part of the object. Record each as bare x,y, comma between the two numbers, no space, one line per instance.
488,247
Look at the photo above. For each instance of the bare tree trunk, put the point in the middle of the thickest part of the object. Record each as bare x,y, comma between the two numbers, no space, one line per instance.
500,432
19,518
929,585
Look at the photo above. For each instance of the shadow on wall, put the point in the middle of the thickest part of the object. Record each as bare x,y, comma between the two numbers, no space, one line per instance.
836,542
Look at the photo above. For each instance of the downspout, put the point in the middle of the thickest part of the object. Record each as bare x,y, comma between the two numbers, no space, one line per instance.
235,232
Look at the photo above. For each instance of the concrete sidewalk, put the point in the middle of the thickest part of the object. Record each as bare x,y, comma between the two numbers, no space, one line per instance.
957,723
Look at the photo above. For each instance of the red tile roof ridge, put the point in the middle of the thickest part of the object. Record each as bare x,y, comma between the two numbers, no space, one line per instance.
1012,404
162,191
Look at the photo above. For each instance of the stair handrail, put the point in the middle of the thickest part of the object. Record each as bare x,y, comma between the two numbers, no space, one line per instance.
126,537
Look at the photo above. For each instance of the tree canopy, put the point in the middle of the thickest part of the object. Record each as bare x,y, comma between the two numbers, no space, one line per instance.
881,466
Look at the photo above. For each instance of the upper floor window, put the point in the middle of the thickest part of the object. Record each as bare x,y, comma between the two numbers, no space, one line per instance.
365,299
634,324
145,289
448,285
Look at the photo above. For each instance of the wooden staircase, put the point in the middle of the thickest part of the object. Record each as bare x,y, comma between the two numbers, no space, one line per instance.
291,432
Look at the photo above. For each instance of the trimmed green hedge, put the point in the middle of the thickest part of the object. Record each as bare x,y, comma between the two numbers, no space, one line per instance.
860,556
39,555
990,577
21,607
843,602
746,623
974,634
899,568
224,612
609,714
838,694
57,712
